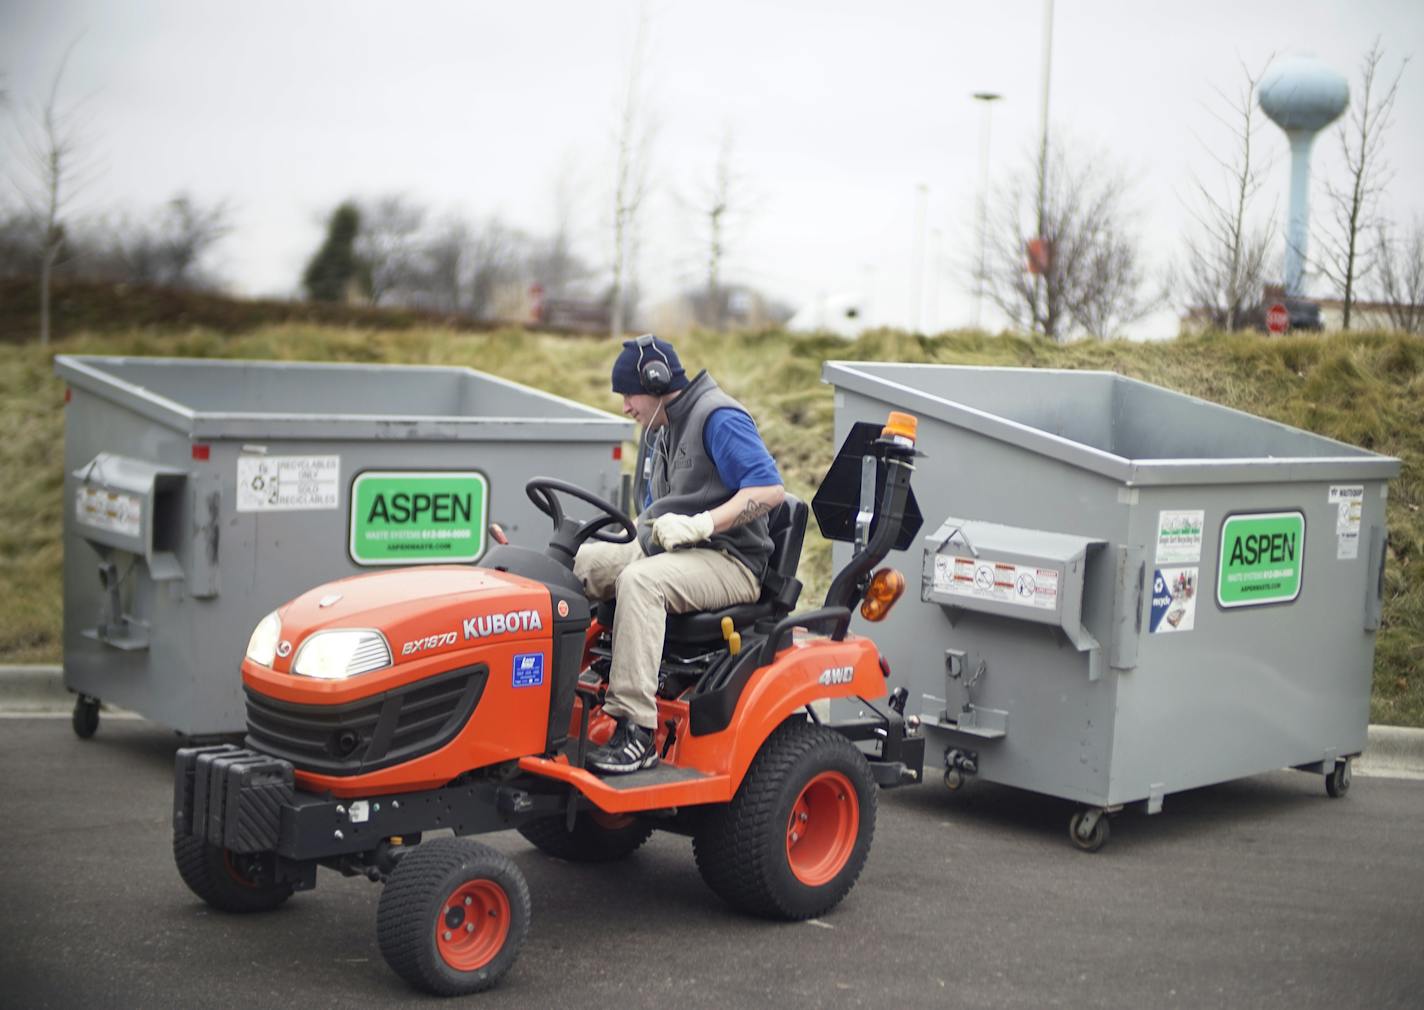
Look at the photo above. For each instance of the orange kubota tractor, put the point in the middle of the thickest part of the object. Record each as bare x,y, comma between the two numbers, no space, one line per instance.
388,706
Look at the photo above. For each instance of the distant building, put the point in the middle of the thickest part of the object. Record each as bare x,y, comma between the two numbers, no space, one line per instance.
1364,315
738,307
843,314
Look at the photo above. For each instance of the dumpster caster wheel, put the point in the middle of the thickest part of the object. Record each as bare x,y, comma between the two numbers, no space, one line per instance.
86,716
953,779
1337,783
1088,829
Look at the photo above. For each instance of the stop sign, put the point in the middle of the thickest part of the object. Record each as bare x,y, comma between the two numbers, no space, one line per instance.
1277,318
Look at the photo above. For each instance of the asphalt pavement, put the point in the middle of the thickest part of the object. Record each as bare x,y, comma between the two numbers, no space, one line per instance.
1258,893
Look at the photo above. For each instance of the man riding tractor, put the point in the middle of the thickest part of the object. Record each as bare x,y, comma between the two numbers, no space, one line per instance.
706,484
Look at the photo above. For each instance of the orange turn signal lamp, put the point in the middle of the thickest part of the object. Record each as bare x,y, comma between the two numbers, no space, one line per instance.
885,588
901,425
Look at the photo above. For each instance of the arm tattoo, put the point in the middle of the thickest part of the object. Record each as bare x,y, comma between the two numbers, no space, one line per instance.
754,511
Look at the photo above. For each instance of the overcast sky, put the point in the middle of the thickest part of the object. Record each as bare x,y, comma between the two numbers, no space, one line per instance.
839,112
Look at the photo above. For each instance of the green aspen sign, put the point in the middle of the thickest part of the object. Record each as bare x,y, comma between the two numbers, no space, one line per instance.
1261,558
411,517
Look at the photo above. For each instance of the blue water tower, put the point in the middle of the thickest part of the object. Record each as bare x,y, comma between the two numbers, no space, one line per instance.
1302,96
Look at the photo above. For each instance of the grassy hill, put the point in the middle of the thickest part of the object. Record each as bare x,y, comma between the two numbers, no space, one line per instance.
1366,389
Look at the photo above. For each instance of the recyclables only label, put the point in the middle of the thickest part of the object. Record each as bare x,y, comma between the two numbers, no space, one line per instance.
288,483
414,518
1261,559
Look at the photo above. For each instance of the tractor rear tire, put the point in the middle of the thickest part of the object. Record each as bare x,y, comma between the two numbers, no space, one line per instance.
453,917
793,840
226,880
596,838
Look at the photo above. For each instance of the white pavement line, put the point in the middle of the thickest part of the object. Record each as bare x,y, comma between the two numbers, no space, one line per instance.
106,714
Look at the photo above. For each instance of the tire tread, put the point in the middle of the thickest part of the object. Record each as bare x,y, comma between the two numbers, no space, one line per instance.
731,850
404,925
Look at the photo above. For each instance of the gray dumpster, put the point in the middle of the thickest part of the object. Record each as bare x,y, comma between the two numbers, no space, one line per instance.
201,494
1125,592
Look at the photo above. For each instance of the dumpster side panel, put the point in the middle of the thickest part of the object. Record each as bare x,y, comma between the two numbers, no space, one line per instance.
121,675
168,641
1249,689
1058,723
1274,674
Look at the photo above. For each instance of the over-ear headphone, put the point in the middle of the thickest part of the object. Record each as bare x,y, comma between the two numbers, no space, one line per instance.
655,376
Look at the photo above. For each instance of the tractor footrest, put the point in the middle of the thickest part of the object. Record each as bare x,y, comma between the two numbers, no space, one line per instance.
659,775
231,796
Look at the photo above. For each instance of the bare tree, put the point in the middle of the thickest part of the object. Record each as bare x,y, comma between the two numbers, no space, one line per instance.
52,150
1074,264
496,257
716,208
443,265
633,143
169,251
17,242
188,232
387,244
1345,257
1228,254
554,264
1401,276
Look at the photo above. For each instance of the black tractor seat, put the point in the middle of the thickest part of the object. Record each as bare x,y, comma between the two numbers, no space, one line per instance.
780,589
699,632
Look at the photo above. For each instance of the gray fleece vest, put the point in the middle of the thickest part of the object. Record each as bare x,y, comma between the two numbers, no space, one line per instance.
683,478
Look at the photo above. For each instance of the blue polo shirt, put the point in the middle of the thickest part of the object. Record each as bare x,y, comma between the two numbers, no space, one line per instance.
735,447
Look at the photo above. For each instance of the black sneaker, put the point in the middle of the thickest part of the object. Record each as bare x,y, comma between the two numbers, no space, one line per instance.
629,749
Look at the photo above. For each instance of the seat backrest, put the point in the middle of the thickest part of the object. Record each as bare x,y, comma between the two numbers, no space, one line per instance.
787,526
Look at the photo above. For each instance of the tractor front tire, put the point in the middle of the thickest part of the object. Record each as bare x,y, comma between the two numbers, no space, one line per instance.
226,880
793,840
453,917
596,838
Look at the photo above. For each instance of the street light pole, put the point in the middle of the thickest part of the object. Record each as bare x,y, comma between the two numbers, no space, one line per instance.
987,100
917,258
1043,156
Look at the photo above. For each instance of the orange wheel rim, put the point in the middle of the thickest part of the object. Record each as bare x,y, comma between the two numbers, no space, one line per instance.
472,925
238,877
822,828
610,822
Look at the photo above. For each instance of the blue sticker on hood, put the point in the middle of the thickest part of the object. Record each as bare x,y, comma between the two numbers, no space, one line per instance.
529,669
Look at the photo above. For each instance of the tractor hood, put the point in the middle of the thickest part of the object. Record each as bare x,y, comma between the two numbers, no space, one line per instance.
419,611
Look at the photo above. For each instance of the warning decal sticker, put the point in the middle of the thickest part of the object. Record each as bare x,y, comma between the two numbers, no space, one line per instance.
288,483
1174,600
1022,585
1349,503
1179,536
110,510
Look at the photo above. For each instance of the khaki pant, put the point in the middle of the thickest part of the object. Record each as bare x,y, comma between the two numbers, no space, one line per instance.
647,590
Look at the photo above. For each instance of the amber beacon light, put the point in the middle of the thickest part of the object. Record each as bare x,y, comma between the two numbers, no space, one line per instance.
885,588
900,425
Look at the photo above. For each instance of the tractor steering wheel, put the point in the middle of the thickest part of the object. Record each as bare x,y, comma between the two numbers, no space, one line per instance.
569,534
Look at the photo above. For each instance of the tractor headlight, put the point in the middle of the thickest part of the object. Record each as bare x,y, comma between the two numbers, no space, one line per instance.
336,655
262,646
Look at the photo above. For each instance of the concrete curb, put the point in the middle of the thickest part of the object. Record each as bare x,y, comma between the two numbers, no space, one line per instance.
1390,751
33,689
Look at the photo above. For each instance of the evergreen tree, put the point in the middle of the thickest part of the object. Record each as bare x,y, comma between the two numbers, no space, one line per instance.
329,275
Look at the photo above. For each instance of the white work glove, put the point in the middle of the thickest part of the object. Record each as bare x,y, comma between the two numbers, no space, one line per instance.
673,530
